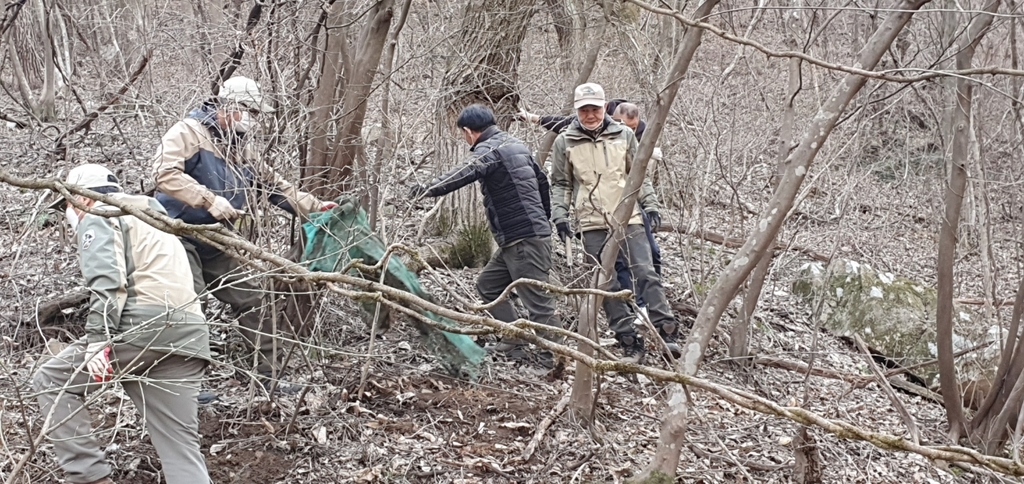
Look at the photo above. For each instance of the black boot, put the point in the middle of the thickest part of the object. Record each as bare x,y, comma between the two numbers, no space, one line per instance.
670,333
633,349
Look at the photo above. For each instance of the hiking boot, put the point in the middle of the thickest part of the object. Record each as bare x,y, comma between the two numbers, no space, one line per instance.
511,351
633,349
545,359
670,333
280,385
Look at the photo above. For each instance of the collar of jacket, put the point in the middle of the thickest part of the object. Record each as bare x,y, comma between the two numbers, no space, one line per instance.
485,135
576,131
640,128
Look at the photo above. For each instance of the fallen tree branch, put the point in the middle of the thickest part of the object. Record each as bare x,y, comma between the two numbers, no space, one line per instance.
735,243
801,367
543,427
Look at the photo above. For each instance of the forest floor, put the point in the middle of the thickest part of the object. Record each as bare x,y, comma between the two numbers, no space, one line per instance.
410,422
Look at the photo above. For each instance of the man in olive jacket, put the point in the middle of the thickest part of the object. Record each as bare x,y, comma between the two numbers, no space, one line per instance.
590,162
145,327
518,203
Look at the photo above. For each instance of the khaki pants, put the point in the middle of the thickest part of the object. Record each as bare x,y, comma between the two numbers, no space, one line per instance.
224,277
163,387
530,259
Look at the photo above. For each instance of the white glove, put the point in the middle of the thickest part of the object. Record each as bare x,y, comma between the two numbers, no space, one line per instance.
656,156
98,362
221,209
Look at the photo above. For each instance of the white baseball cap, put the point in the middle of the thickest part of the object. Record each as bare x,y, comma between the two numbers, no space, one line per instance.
246,92
91,176
589,94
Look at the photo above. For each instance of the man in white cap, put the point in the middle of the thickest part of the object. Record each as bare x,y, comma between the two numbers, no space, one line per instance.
145,328
590,162
206,172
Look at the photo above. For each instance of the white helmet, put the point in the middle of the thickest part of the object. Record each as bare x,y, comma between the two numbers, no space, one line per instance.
246,92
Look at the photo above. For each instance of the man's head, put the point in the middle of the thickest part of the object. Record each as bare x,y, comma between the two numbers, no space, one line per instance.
240,103
588,99
628,114
94,177
474,120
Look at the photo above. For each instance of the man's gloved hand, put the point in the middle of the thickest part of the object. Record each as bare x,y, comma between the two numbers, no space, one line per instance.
98,362
526,117
563,230
221,209
417,192
655,218
327,206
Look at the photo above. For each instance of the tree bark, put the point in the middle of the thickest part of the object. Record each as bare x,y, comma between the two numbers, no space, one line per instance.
386,141
962,124
769,223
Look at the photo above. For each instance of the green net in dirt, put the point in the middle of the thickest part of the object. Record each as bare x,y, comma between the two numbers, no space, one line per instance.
337,236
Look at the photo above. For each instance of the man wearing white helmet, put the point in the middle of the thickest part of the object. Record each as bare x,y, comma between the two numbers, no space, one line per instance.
206,172
145,329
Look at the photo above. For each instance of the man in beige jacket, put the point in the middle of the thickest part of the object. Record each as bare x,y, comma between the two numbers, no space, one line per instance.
590,161
205,173
145,328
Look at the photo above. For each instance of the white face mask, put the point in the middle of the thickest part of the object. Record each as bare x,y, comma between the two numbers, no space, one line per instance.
72,217
246,123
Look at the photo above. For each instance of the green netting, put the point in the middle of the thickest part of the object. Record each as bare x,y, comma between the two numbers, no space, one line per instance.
339,235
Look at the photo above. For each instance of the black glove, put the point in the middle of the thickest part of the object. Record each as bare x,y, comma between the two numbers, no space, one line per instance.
563,230
417,192
655,218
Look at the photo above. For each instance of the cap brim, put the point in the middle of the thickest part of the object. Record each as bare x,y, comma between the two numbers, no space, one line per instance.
589,102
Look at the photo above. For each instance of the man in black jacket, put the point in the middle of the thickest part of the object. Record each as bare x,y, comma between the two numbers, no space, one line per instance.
518,202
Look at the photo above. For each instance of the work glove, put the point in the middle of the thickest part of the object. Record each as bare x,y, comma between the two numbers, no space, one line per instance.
221,209
526,117
327,206
98,363
563,230
417,192
655,218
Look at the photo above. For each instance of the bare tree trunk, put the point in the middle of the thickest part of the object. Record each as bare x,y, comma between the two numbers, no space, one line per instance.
666,458
325,96
487,68
740,334
46,107
951,222
386,142
348,142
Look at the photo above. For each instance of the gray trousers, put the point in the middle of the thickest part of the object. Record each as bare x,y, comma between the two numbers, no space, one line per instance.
232,285
163,387
637,251
531,259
